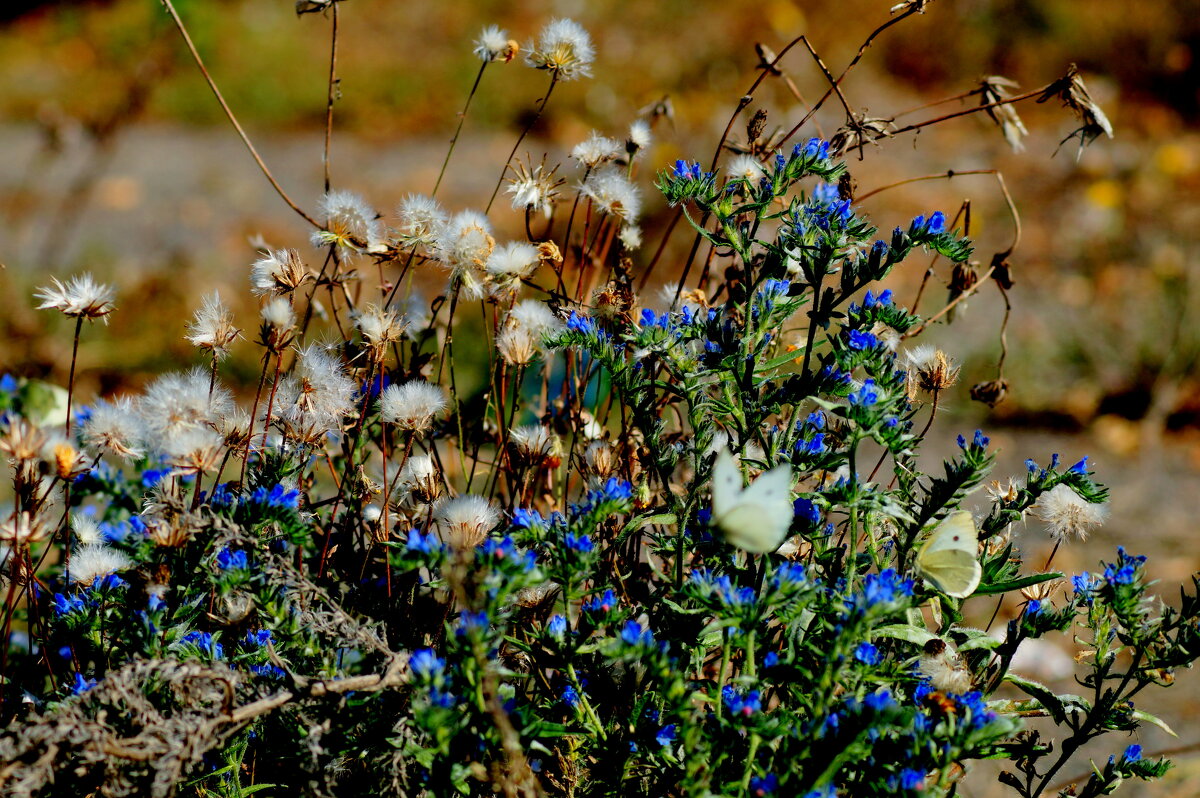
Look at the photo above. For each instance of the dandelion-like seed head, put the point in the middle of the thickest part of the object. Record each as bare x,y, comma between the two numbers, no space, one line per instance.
420,478
534,188
80,297
596,150
929,369
379,327
613,193
114,429
1067,515
279,272
639,137
212,327
517,345
421,217
89,562
315,398
350,223
564,48
993,89
536,444
942,666
194,450
886,335
745,167
412,405
493,44
466,520
630,237
513,262
464,246
23,528
87,531
600,459
538,319
278,324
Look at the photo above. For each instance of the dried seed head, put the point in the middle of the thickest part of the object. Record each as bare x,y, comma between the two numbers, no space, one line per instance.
420,477
413,405
466,520
600,459
517,345
351,224
745,167
493,44
993,89
1042,590
278,272
991,393
22,528
639,137
378,327
564,48
212,327
278,324
513,262
534,188
929,369
596,150
421,218
1071,90
612,192
758,122
89,562
630,237
114,429
81,297
536,445
549,254
1067,515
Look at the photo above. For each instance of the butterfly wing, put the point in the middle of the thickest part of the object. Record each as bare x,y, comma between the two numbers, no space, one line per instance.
950,558
759,520
726,484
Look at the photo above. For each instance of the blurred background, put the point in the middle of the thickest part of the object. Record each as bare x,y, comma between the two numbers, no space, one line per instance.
119,161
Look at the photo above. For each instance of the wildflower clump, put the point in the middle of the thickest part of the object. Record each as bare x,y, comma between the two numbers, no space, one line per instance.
551,533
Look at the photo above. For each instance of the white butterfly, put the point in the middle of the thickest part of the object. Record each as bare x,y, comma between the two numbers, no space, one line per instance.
755,518
949,560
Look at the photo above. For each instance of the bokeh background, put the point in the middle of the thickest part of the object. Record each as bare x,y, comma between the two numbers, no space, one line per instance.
117,160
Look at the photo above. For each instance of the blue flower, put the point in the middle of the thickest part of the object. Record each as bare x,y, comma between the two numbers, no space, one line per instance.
879,700
666,735
67,604
427,664
570,697
1085,586
866,395
232,560
789,574
470,621
583,325
528,519
860,339
260,638
613,490
557,626
807,511
813,149
1080,467
605,603
745,705
268,671
153,476
867,654
911,779
82,685
632,634
582,544
763,786
108,582
771,660
883,300
204,641
277,496
885,587
936,223
1033,607
425,544
812,446
1123,575
1133,753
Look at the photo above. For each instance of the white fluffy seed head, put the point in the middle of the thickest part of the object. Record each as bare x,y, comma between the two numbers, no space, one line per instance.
466,520
493,44
536,442
517,345
630,236
80,297
563,47
89,562
412,405
639,136
114,428
379,327
87,531
419,476
317,395
612,192
421,217
1067,515
278,314
512,262
278,272
350,223
212,328
596,150
745,166
537,319
464,245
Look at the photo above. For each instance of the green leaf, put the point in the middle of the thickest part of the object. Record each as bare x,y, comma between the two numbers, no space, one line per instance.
1057,705
902,631
1016,584
1146,717
974,639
